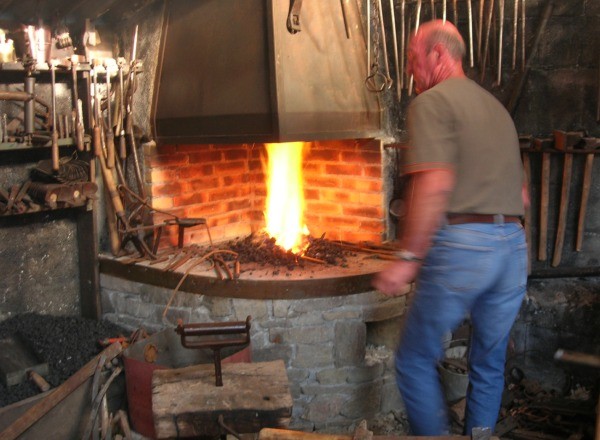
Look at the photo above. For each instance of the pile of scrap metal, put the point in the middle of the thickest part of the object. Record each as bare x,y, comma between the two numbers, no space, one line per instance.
69,187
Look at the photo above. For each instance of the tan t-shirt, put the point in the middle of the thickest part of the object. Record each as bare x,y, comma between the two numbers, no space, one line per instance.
458,125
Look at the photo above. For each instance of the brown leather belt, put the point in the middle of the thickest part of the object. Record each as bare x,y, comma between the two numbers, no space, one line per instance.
457,219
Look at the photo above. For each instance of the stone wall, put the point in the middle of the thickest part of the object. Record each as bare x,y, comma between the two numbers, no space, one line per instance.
336,377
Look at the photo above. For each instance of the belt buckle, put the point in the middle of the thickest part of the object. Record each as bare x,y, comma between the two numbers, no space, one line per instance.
499,219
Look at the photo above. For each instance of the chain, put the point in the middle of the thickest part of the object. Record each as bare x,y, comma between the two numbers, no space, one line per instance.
375,75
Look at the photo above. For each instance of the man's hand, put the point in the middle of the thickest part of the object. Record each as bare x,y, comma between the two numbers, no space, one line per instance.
394,279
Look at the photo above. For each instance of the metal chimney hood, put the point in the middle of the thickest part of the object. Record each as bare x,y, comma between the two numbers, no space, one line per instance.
230,71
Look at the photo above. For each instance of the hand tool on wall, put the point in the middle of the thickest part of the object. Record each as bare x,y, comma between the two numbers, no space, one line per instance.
396,61
78,129
96,131
433,16
109,133
523,34
515,34
388,78
480,31
500,35
129,120
455,12
486,43
122,140
470,20
563,141
345,18
544,145
444,7
588,144
55,152
417,21
516,93
401,72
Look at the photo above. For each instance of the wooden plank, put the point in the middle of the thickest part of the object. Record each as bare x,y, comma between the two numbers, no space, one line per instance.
186,402
37,411
285,434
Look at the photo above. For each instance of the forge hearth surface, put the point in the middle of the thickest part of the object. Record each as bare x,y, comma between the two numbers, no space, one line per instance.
65,343
249,269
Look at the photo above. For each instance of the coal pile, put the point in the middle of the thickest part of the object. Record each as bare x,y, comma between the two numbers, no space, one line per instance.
262,249
65,343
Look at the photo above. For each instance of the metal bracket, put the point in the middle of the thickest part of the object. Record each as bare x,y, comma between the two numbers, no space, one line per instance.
293,20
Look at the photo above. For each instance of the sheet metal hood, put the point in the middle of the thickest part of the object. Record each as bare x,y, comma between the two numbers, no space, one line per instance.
231,71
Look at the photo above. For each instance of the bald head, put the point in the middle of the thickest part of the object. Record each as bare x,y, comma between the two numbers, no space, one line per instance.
435,54
444,33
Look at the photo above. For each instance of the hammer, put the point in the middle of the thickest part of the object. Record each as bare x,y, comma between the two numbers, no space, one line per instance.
562,141
544,145
589,144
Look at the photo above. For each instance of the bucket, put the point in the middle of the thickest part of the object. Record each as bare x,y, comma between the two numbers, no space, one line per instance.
454,383
169,354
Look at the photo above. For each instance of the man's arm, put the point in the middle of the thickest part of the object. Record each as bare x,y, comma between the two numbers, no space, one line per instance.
426,201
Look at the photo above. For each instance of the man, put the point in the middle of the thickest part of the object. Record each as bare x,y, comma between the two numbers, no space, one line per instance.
462,239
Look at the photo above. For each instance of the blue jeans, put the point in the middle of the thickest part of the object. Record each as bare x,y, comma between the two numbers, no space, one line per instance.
477,269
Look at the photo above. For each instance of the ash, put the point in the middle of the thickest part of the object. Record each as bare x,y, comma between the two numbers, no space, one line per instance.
65,343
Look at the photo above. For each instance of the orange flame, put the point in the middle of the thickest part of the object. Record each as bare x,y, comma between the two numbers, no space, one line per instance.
285,195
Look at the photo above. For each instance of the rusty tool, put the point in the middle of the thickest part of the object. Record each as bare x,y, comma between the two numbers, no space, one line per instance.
486,47
470,14
515,34
480,30
455,12
345,18
588,144
55,152
543,145
79,130
523,35
401,73
109,133
195,336
500,35
563,141
396,62
122,140
96,131
417,21
521,80
444,11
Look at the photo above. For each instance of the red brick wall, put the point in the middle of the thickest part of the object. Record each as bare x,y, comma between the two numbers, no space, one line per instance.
225,184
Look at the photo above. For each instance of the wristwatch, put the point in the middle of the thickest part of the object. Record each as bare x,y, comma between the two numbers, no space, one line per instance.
405,255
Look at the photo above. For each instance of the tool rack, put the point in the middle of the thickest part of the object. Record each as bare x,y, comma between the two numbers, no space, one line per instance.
19,157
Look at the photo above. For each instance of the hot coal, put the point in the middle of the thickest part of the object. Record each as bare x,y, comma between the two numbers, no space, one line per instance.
65,343
262,249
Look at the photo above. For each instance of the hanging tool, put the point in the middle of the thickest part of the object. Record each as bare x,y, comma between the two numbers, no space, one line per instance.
79,130
444,11
563,141
544,145
55,152
122,140
377,81
417,20
514,98
470,13
500,35
486,48
480,33
345,18
523,34
388,78
515,34
109,133
396,63
401,73
129,120
455,12
96,131
589,144
433,17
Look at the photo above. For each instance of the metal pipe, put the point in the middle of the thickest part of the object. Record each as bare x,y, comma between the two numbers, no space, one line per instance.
29,105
